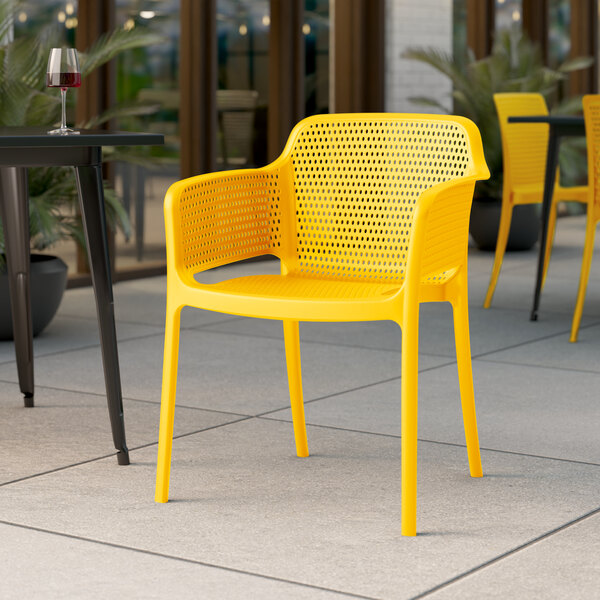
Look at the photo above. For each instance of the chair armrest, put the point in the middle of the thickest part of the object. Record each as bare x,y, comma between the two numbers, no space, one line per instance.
219,218
440,231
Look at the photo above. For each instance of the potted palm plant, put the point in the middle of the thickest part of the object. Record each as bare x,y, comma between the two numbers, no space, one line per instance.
25,100
514,65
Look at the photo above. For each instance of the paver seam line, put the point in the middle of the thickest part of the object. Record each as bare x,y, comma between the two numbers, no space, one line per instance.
345,345
94,319
507,554
366,385
88,347
249,417
131,399
525,343
497,361
132,449
185,560
203,328
428,441
333,395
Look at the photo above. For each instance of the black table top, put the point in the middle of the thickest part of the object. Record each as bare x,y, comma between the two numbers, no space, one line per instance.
568,120
37,137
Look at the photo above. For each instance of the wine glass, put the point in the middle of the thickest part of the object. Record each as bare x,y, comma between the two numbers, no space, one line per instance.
63,72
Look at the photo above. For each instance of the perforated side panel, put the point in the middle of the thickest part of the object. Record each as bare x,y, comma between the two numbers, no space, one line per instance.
357,183
592,131
446,234
229,217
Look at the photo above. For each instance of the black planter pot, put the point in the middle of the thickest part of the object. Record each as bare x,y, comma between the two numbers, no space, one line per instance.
48,280
485,220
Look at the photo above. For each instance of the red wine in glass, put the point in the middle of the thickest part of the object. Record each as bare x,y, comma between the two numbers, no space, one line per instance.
61,80
63,72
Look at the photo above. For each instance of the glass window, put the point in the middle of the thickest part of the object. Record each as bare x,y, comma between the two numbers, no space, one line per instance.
243,84
459,30
316,37
34,15
559,34
148,76
509,14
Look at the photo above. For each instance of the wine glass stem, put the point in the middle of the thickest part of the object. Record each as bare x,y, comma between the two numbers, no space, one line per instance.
63,97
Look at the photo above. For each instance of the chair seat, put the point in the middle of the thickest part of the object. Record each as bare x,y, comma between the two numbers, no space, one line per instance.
530,193
294,287
303,298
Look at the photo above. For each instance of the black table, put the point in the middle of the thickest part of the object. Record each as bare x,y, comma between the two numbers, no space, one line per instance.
560,126
23,147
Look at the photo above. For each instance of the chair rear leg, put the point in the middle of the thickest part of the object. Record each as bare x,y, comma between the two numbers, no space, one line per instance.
409,413
503,231
291,333
586,263
460,312
167,404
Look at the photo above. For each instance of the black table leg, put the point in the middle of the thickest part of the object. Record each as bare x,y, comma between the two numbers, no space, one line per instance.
91,200
14,210
550,176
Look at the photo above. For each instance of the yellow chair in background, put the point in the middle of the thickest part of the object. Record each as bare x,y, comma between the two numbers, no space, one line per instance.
524,149
591,114
369,215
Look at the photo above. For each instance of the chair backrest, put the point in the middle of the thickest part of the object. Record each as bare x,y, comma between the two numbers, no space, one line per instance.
524,145
357,180
591,113
338,203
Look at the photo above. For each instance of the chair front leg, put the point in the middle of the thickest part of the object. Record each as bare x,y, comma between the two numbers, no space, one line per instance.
167,403
409,413
291,333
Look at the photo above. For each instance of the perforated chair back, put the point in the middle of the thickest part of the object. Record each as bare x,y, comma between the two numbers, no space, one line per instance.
342,196
369,215
357,182
524,145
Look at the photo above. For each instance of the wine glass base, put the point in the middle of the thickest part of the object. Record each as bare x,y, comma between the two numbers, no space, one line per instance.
63,131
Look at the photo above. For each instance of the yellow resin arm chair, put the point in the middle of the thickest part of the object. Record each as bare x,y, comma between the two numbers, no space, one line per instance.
369,215
591,113
524,150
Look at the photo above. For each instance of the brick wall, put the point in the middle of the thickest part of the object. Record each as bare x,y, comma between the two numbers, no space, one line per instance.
415,23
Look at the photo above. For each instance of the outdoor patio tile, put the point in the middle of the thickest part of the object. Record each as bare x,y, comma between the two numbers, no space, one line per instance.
65,428
558,296
491,330
74,568
558,352
219,371
515,412
242,500
564,565
139,301
69,333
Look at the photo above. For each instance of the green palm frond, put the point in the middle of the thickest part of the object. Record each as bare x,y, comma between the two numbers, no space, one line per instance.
111,44
514,65
121,111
